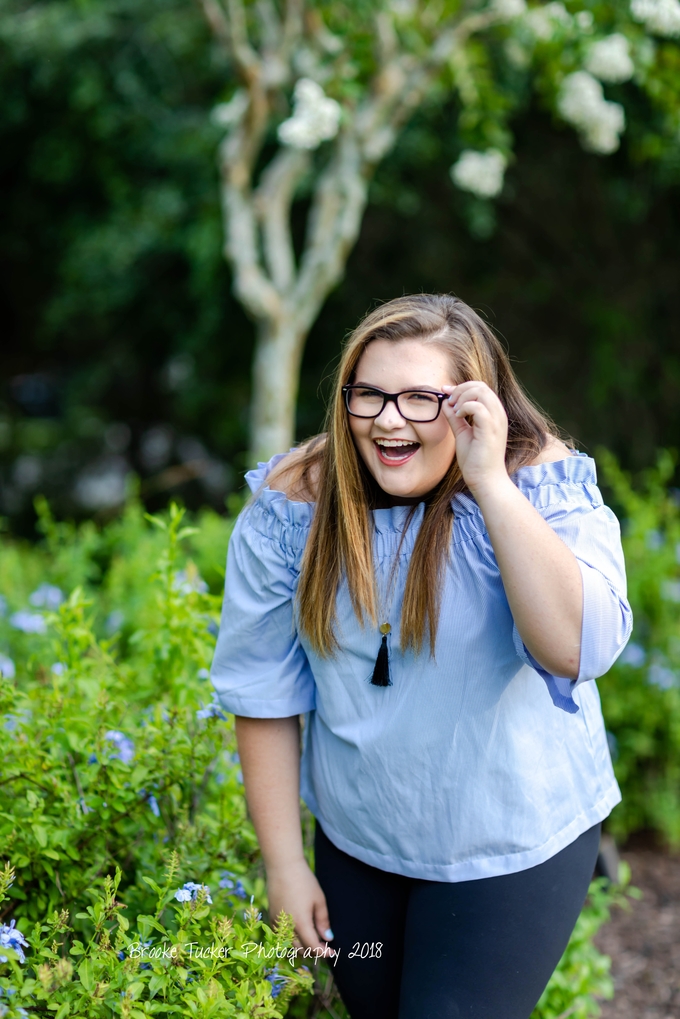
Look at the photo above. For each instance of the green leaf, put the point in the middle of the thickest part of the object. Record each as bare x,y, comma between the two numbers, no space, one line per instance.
157,982
40,834
152,884
152,923
86,974
63,1010
135,989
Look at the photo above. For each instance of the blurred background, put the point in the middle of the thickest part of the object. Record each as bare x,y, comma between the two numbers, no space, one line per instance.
126,359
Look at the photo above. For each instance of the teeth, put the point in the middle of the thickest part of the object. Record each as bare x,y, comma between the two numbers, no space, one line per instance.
396,442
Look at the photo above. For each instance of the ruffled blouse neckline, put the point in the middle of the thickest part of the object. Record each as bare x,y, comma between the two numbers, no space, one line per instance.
579,468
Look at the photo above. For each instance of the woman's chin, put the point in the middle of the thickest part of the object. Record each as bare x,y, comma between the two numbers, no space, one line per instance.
401,487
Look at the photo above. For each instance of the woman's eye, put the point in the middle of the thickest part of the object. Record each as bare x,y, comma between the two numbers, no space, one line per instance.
421,397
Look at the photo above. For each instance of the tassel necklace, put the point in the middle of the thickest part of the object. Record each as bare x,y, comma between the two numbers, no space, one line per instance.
381,670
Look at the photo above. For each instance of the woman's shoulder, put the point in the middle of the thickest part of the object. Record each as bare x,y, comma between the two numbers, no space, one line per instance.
559,476
283,493
553,451
296,474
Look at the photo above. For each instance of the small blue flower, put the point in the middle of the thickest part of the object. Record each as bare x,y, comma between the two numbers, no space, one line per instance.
277,980
114,622
125,746
185,584
28,622
213,710
230,881
92,759
633,655
153,804
190,890
59,668
47,596
7,667
213,628
10,937
145,965
203,673
661,676
12,722
121,956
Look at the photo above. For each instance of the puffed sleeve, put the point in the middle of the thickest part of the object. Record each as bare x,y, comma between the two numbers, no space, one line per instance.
259,668
568,498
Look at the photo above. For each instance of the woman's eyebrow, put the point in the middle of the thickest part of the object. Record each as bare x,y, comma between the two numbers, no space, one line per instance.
409,389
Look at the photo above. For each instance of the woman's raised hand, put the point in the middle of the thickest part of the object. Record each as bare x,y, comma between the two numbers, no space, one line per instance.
480,442
295,889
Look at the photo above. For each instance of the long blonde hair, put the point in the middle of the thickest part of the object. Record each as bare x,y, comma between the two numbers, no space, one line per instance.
340,539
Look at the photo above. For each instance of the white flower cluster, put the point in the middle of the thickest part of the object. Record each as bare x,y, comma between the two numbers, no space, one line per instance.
506,10
609,59
659,16
480,172
544,20
227,114
316,118
600,123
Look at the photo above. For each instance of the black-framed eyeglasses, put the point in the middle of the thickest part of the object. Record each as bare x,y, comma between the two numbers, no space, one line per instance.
412,404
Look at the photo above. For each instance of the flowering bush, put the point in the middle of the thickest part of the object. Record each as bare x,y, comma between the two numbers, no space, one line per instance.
181,959
641,693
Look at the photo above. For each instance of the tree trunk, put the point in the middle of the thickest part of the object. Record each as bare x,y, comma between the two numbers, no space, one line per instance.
276,371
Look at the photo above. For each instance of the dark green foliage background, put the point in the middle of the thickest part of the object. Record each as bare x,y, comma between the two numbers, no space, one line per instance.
110,254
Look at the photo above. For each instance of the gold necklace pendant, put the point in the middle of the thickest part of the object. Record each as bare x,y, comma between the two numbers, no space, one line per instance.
385,628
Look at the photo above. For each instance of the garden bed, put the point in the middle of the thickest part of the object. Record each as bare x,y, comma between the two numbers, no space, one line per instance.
644,942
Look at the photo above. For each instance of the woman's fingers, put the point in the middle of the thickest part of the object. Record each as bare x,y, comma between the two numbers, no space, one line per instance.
321,920
472,408
297,891
477,391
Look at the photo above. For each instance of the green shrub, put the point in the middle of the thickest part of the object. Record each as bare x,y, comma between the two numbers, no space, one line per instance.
641,693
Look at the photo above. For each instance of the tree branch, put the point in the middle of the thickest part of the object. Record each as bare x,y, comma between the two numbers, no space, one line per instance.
217,19
273,199
251,284
245,56
333,227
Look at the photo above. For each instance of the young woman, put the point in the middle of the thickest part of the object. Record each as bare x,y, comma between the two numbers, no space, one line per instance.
434,583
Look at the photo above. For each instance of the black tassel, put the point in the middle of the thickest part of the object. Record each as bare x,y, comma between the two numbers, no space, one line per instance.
381,672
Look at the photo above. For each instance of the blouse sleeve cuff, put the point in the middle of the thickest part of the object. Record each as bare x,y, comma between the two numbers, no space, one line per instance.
607,625
269,708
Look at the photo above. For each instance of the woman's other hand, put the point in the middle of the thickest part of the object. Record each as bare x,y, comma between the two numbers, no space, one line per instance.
480,426
270,760
296,890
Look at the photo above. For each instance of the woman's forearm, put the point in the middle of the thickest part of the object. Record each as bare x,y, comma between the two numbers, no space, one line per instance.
541,577
269,749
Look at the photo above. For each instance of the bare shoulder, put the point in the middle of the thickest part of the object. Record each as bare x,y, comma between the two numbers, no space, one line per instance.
554,449
296,477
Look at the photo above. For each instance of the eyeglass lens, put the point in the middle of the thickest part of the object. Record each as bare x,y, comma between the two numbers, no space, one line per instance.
414,406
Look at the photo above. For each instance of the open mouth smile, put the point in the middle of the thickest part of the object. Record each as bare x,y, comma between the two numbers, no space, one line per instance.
395,451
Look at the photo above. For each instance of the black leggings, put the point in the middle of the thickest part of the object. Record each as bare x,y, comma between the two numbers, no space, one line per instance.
484,949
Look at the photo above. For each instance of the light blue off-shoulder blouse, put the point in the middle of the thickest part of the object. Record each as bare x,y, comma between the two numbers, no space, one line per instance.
474,763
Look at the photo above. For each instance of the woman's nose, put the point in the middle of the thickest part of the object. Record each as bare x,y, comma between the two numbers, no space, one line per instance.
389,416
